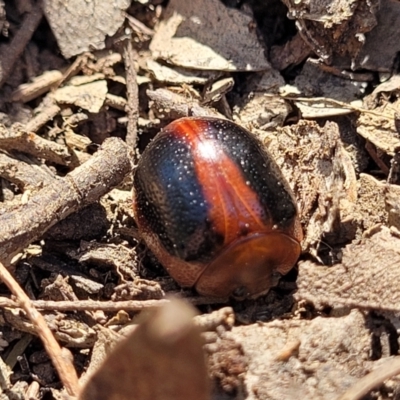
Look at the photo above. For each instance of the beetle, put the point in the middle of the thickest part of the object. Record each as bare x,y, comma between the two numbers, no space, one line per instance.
214,208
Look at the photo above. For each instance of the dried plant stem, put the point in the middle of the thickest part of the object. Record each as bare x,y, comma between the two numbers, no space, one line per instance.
372,380
9,54
92,305
130,56
83,186
61,361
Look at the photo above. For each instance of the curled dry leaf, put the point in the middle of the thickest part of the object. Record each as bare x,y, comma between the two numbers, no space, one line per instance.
334,27
320,171
162,359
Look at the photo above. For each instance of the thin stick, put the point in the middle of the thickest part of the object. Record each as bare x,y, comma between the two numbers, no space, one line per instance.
9,54
372,380
83,186
132,109
63,364
92,305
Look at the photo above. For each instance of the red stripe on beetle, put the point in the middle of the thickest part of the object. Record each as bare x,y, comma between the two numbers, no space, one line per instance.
234,207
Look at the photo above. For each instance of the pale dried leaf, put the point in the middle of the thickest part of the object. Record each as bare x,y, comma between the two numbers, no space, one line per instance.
378,127
321,108
177,76
367,278
193,35
89,96
80,25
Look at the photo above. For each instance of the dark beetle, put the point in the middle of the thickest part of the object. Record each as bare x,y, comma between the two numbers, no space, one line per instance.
215,209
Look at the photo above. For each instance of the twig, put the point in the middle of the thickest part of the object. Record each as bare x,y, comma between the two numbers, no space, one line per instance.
23,174
92,305
83,186
41,84
117,102
179,106
138,27
130,55
42,118
333,102
17,138
11,53
375,378
75,68
61,362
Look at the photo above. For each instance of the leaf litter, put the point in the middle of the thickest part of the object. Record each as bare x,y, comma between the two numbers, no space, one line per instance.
316,82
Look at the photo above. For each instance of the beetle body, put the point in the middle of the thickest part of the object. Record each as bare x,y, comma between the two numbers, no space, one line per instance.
215,209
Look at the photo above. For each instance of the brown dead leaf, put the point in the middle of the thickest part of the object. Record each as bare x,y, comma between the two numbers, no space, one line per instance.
334,27
379,127
321,173
162,359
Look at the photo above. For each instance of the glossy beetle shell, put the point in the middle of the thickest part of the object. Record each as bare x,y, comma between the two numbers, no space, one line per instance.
215,209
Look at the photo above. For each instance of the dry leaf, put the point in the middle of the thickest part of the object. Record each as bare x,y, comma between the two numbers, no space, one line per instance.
162,359
89,96
320,171
80,25
367,278
178,76
379,127
194,35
